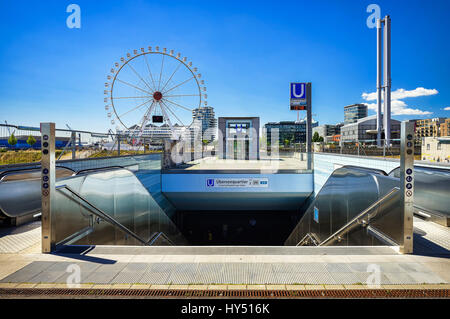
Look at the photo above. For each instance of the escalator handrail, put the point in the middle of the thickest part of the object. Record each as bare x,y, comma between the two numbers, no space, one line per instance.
101,214
106,168
349,226
27,170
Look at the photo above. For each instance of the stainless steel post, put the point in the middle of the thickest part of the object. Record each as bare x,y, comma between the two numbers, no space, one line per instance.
379,87
74,144
407,184
47,184
387,80
308,125
118,145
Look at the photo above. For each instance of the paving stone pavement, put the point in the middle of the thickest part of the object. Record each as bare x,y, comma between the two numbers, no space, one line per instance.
23,264
226,273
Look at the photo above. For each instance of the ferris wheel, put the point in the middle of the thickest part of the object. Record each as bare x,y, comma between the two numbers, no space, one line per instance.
151,88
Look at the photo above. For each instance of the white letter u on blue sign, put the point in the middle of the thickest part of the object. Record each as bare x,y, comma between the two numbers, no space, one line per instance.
302,90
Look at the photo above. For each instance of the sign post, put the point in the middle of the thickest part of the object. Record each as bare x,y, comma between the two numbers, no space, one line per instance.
300,99
407,184
47,183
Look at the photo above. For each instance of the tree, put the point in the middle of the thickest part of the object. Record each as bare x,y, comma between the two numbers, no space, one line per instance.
31,140
12,140
315,137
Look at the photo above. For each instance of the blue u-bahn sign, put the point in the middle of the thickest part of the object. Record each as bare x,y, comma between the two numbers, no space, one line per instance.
298,91
299,97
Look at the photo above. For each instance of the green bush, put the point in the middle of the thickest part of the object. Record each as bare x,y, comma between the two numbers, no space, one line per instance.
31,140
12,140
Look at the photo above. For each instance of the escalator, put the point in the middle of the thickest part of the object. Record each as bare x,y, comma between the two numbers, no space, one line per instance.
431,193
355,207
110,207
20,194
125,206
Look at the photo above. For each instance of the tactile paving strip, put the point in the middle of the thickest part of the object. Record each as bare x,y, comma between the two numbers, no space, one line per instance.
431,238
16,239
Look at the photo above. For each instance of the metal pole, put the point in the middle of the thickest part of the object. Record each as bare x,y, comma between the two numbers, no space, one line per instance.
379,87
118,145
387,80
308,125
74,144
407,184
47,184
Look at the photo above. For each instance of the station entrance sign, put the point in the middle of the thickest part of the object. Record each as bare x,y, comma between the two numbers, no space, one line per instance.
300,100
299,96
237,182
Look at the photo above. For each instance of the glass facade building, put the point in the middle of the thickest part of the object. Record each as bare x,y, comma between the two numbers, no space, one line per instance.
292,131
364,130
354,112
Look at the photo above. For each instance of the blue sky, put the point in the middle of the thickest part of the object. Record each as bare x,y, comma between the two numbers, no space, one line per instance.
247,51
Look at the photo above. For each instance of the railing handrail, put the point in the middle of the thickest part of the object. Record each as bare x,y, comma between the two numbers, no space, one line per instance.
101,214
156,236
308,235
347,227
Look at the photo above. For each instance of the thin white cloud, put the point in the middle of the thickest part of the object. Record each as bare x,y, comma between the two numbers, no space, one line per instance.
398,107
447,108
402,94
410,111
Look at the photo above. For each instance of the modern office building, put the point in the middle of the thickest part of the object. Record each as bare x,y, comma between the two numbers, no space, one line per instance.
328,130
354,112
292,131
365,130
240,137
429,127
206,116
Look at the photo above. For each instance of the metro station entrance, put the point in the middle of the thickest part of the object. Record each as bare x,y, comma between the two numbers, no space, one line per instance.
240,137
236,228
